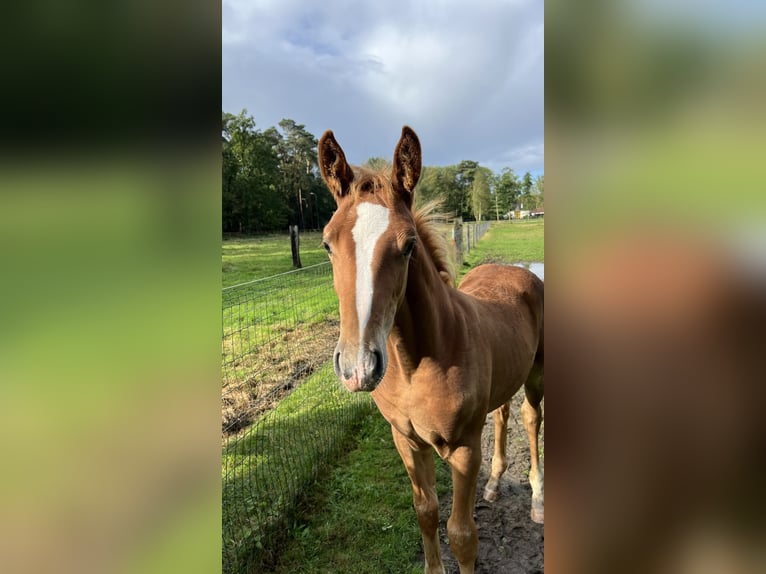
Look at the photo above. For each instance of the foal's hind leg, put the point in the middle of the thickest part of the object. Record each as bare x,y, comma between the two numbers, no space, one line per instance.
532,416
499,460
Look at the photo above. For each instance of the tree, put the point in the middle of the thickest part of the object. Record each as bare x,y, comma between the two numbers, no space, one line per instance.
297,152
526,184
271,178
440,183
464,189
528,199
465,174
435,183
538,191
250,172
507,189
481,193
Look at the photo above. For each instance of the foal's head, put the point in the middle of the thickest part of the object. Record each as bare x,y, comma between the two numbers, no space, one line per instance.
370,239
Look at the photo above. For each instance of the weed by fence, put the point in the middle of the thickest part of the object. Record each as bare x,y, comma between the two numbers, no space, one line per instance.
285,415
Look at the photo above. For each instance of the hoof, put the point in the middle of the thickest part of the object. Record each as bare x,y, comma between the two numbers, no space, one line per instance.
435,569
491,495
537,514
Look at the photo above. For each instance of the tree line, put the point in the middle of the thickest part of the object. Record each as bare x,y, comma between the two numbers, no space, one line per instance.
270,179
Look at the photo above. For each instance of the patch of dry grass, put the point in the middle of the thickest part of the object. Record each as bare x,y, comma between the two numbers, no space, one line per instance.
257,381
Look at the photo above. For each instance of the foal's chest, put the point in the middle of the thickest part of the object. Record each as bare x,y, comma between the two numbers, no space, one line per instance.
429,424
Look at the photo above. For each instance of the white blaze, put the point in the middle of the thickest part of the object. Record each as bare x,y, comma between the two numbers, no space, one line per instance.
371,222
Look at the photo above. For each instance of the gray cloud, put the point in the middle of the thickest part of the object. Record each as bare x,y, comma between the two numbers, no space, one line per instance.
468,77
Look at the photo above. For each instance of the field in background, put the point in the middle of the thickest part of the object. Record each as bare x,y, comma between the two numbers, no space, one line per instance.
247,258
509,242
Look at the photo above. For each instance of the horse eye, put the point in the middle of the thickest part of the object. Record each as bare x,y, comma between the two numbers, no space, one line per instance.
327,247
408,248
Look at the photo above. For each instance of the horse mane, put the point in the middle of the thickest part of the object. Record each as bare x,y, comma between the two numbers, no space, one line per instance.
434,241
379,183
374,182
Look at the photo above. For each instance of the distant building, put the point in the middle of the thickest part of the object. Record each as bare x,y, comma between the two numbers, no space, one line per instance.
519,213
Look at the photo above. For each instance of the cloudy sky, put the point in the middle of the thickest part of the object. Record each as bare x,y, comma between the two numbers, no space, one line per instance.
467,76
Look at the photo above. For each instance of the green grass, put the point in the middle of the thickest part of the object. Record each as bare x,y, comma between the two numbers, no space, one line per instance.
271,316
267,468
245,259
511,242
269,326
266,321
360,518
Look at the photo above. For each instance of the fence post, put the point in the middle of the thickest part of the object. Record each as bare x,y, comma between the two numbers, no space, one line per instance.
467,237
457,237
295,241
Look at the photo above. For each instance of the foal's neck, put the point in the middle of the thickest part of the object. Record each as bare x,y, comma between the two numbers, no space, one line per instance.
425,316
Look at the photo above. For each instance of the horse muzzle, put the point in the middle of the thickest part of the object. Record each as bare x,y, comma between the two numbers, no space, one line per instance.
360,371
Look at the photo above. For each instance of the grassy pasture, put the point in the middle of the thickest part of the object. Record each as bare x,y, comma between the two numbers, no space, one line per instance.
508,242
266,468
290,415
245,259
272,318
275,330
359,517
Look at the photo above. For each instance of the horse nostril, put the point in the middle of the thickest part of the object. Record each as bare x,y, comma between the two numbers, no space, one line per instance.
336,363
377,367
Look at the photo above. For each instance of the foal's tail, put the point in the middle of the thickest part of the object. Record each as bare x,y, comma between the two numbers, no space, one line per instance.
534,385
540,291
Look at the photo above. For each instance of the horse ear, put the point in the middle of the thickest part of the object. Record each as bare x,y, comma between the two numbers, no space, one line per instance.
407,164
336,172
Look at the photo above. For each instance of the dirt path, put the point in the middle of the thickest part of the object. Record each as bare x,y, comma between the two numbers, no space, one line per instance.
509,542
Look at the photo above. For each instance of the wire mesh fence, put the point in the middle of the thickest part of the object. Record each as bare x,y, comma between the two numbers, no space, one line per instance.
474,231
465,236
284,415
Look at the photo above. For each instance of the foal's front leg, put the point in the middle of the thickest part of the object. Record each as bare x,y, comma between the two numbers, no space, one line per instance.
461,527
420,466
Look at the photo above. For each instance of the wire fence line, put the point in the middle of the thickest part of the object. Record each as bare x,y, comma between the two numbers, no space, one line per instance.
465,236
474,231
284,414
274,331
274,277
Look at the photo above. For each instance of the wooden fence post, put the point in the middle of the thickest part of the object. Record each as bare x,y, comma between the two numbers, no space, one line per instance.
457,237
295,242
467,237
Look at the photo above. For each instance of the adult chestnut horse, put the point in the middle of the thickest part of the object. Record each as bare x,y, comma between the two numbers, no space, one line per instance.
435,359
